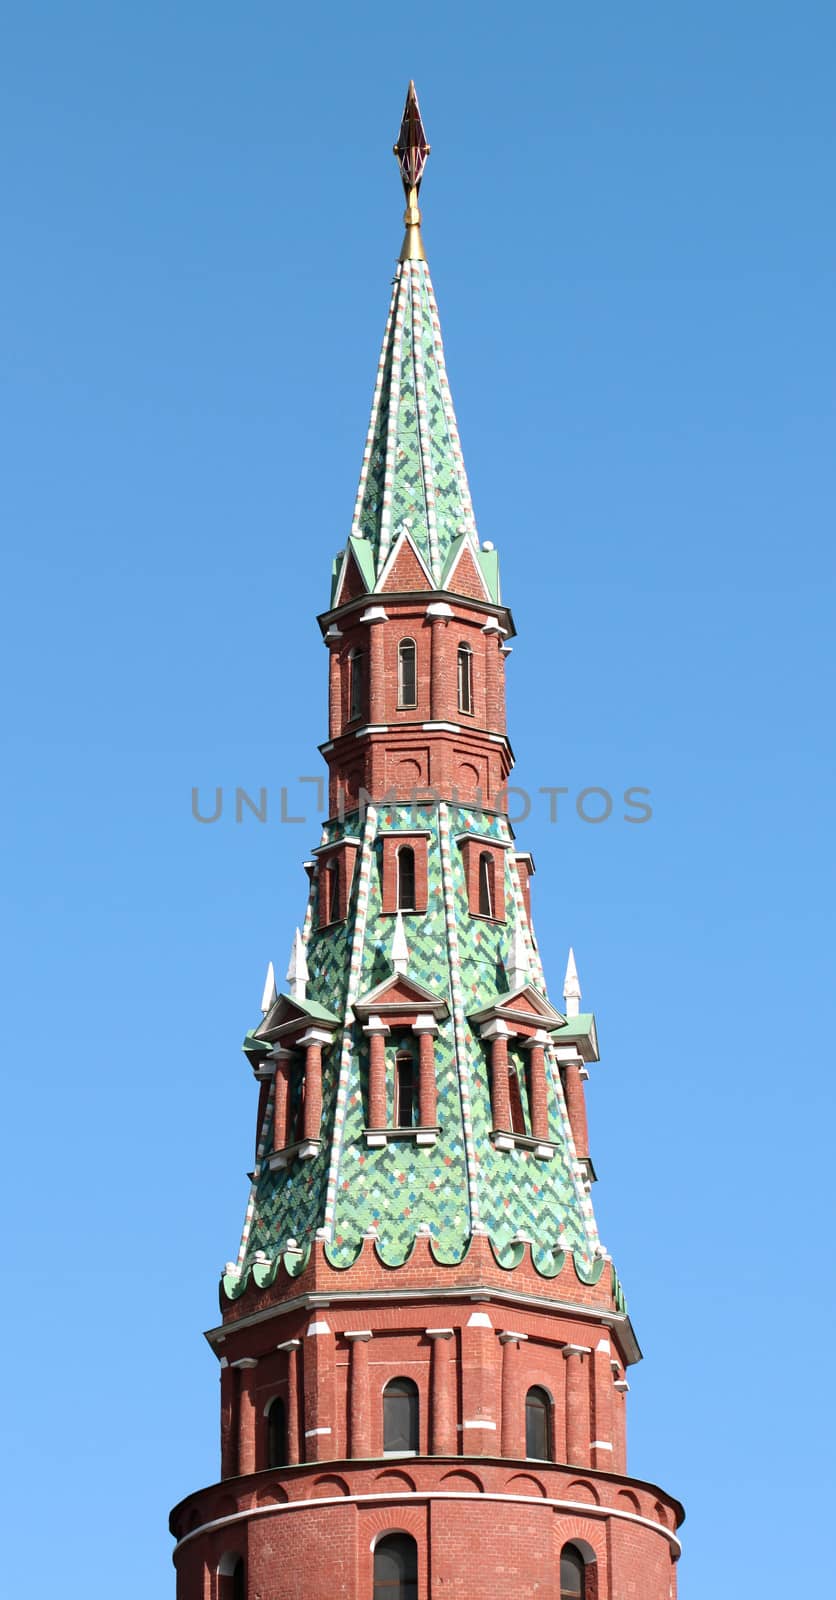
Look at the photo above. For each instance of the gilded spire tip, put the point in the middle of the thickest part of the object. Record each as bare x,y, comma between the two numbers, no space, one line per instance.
412,150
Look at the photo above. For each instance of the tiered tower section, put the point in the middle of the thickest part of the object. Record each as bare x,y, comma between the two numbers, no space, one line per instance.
424,1345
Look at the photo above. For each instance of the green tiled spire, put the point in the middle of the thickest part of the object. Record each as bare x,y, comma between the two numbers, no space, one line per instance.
413,477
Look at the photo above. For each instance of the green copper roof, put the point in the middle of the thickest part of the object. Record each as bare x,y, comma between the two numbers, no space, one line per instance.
413,477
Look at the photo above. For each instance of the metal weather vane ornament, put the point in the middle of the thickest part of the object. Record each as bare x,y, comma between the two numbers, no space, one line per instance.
412,150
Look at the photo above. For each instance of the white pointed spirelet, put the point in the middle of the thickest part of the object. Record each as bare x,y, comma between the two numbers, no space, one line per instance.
297,972
519,971
400,948
571,987
269,996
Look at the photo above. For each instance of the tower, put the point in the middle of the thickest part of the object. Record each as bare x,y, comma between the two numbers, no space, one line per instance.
423,1345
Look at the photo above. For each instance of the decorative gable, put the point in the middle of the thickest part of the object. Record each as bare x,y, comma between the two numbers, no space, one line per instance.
463,576
400,996
351,584
405,571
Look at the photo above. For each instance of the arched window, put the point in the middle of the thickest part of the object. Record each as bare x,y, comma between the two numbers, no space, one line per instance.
396,1568
406,878
406,1090
487,898
465,673
232,1578
356,684
537,1429
400,1418
276,1434
331,896
407,680
572,1574
515,1101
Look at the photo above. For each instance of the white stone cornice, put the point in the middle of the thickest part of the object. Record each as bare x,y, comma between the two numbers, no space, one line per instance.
245,1362
374,614
375,1025
362,1334
290,1344
315,1036
576,1350
508,1336
495,1029
439,1333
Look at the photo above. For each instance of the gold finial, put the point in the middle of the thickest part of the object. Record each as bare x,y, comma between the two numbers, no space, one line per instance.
412,151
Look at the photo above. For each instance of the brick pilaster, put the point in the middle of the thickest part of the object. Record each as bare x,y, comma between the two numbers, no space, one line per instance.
480,1386
513,1406
292,1348
576,1406
359,1443
319,1414
442,1395
246,1414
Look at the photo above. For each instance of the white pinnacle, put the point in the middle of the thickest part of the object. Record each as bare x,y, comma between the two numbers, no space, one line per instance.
518,972
269,996
571,987
400,948
297,972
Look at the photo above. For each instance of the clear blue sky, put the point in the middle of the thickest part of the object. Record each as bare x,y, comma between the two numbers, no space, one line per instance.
629,218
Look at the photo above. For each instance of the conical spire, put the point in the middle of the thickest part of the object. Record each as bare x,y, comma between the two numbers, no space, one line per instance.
268,997
413,479
571,987
518,971
297,972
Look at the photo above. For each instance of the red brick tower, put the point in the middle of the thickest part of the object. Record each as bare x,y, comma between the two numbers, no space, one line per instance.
424,1345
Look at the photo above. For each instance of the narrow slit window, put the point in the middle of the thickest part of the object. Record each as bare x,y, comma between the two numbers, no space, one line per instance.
276,1435
487,898
537,1430
407,678
406,1090
400,1418
572,1574
406,878
465,673
332,891
396,1568
356,684
297,1101
515,1101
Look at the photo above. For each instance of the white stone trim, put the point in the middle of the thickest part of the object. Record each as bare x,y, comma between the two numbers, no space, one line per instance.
490,1426
583,1507
312,1433
618,1321
599,1444
317,1328
479,1319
